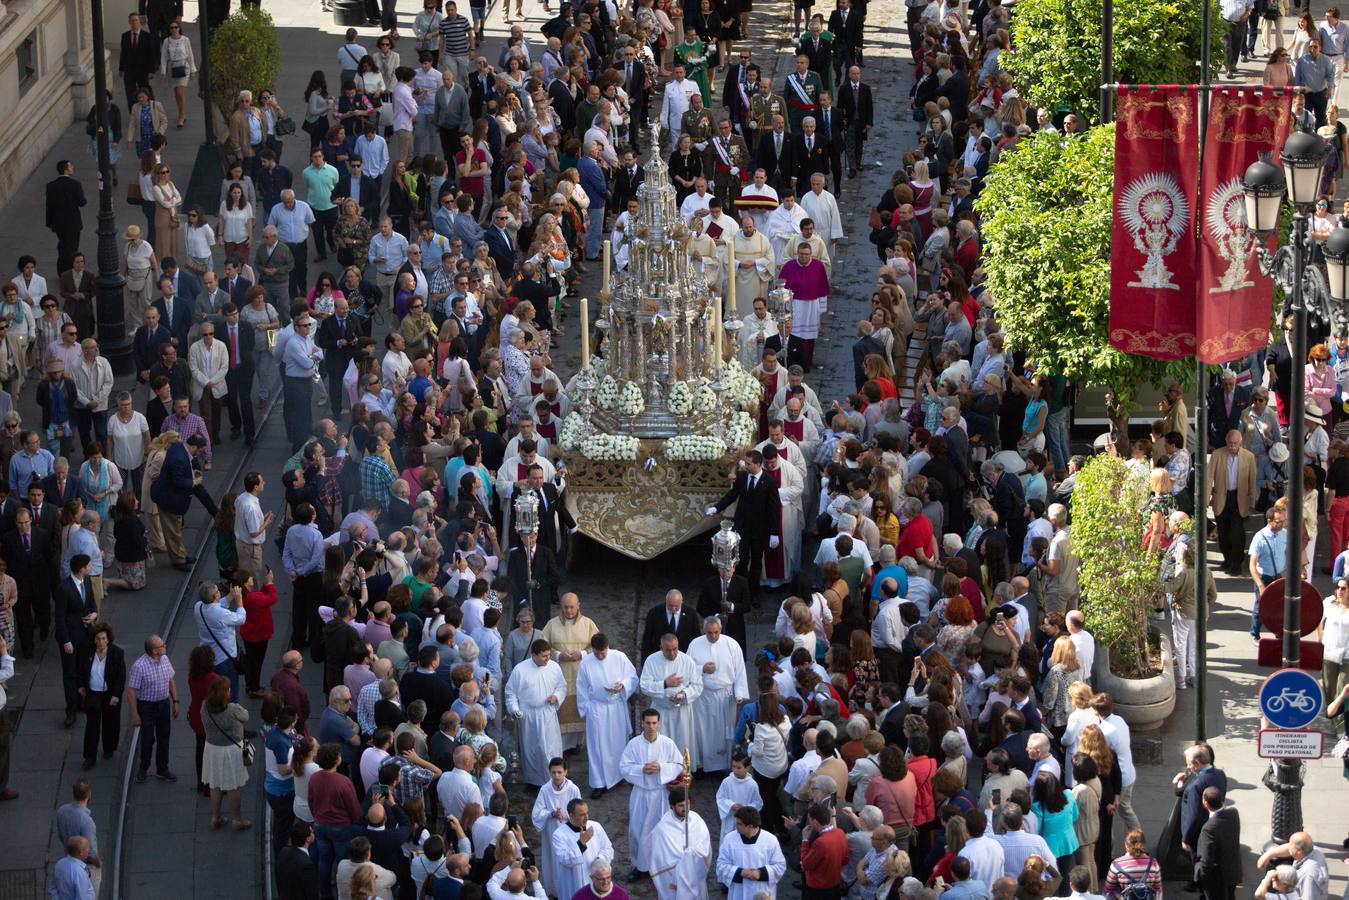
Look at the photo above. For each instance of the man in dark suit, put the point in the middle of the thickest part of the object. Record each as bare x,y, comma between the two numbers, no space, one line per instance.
76,613
794,354
854,101
1202,774
499,244
528,287
956,89
638,87
238,339
297,877
845,23
138,60
776,155
44,516
669,618
812,151
185,284
65,196
175,311
533,568
1226,402
422,683
173,491
552,511
367,194
387,826
756,516
1217,861
832,128
627,179
890,721
337,338
60,488
175,369
726,594
742,80
1009,500
146,341
234,283
32,564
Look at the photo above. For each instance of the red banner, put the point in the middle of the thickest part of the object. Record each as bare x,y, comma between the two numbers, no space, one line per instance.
1152,246
1234,298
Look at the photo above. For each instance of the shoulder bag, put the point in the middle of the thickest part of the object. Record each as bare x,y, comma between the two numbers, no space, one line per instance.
283,126
201,613
245,746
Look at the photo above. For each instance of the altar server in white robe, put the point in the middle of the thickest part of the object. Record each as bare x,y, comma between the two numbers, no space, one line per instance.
679,858
721,662
787,449
577,843
781,563
550,812
812,409
604,683
534,691
757,327
750,861
782,222
674,684
649,763
707,259
755,266
736,790
822,208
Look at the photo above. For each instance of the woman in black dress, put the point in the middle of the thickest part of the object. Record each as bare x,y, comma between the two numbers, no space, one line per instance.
686,166
707,22
730,12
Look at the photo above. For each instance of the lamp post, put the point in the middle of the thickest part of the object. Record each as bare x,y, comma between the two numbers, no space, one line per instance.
1305,289
113,342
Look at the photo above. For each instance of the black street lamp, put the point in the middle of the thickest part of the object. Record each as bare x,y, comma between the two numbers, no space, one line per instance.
114,343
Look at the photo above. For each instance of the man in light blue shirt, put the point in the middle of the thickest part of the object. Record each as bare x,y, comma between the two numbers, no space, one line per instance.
217,617
70,877
373,152
32,461
1269,559
301,357
85,540
965,887
1315,72
388,252
291,218
302,558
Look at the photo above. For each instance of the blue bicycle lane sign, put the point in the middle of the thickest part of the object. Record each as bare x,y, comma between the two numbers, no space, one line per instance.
1291,698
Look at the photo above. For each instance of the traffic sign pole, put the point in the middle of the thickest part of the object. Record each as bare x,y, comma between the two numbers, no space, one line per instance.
1290,700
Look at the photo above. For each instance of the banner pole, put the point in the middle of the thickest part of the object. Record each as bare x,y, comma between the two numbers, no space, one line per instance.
1201,473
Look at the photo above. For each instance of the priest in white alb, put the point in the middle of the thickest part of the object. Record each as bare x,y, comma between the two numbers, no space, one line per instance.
757,327
750,860
707,259
569,634
754,266
798,427
649,763
822,208
781,563
673,683
604,682
681,852
534,693
782,222
721,662
818,248
757,199
806,278
577,843
787,449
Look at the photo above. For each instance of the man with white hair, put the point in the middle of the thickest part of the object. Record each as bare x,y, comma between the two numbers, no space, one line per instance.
673,682
1082,639
822,209
291,218
828,551
721,661
757,327
1037,748
1060,565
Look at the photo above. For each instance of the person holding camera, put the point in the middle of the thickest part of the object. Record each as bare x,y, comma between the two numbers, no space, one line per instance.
218,612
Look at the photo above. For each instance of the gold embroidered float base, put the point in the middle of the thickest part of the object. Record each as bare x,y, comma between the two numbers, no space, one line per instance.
642,514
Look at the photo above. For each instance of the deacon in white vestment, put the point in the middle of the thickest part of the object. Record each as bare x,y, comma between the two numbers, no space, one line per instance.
673,683
757,328
721,663
736,790
706,259
577,843
818,248
812,410
822,208
604,682
534,692
680,858
750,860
548,814
649,763
782,223
698,201
755,267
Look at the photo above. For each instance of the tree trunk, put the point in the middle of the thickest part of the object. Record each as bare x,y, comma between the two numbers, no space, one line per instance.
1118,414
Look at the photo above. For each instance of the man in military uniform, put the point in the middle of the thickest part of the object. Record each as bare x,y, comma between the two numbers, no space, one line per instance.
697,123
763,106
802,93
728,159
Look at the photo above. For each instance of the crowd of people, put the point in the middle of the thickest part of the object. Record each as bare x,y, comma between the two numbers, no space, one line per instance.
921,721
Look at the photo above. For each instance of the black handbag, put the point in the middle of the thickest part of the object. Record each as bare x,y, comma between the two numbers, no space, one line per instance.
284,125
178,71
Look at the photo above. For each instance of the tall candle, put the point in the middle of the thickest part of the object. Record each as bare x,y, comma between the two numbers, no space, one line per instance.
716,331
730,278
585,334
604,290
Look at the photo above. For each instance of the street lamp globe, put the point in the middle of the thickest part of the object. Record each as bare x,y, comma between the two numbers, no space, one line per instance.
1263,186
1336,250
1303,156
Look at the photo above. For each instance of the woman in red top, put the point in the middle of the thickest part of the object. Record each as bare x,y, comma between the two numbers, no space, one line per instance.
922,767
200,673
257,628
472,168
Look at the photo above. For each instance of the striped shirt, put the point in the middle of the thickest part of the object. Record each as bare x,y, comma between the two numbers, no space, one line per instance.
1128,869
188,427
454,33
150,678
376,478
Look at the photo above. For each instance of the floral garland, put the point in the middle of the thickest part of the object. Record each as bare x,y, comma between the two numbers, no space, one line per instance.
606,395
694,447
630,402
745,388
680,400
569,437
704,398
740,433
606,447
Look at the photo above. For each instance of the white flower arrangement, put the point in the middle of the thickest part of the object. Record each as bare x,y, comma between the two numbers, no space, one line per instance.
570,435
745,389
606,447
741,431
630,402
680,400
704,398
694,447
606,395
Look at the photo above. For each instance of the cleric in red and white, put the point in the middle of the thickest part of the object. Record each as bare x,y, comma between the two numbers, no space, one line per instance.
808,281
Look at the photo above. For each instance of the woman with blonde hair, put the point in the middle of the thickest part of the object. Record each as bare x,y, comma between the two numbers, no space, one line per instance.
1063,673
154,463
167,199
1081,715
139,266
362,884
1161,501
1038,878
1094,744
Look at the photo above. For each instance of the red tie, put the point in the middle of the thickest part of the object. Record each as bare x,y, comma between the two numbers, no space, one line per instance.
234,346
133,40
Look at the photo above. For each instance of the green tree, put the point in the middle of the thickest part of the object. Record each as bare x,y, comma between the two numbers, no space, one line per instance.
1119,583
1046,241
245,55
1057,60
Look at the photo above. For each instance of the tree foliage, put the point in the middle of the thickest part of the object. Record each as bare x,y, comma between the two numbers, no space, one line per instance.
245,55
1046,248
1119,583
1057,60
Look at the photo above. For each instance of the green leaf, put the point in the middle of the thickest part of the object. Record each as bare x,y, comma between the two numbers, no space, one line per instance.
245,55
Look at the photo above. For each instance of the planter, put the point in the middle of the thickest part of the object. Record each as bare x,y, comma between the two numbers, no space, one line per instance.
1144,703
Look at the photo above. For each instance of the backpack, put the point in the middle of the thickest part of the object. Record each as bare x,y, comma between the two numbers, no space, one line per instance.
1136,889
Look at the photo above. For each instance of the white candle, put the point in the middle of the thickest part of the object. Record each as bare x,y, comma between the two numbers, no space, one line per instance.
716,330
604,289
585,333
730,278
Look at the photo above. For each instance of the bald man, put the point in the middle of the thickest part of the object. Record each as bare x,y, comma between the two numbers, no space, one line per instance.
286,681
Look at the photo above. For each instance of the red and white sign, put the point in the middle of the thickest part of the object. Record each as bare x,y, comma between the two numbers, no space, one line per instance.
1277,743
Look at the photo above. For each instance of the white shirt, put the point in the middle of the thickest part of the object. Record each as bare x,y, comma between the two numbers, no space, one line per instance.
1085,645
247,519
97,681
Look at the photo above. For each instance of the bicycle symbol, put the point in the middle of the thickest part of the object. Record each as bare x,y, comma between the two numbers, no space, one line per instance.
1300,701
